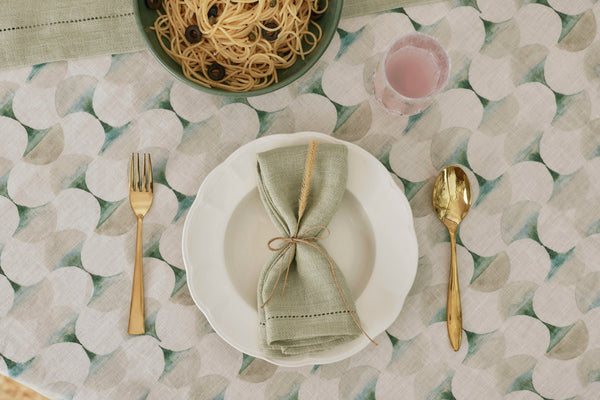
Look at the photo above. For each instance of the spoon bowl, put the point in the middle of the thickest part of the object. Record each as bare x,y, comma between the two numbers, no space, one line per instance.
451,202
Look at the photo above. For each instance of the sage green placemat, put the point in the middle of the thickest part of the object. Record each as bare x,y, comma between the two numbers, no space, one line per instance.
353,8
34,32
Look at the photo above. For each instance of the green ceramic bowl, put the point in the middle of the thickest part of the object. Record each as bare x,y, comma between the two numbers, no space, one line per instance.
145,19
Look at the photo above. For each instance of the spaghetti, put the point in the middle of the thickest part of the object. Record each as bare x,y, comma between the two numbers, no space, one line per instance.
238,45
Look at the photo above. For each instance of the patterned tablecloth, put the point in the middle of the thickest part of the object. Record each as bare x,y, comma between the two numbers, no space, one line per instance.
521,114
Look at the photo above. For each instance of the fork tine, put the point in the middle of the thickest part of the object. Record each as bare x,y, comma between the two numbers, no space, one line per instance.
144,176
138,182
150,183
131,174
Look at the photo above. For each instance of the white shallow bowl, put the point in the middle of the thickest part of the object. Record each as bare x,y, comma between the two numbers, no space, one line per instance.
225,239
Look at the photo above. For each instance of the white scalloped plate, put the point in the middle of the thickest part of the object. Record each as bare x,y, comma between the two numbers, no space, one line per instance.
225,246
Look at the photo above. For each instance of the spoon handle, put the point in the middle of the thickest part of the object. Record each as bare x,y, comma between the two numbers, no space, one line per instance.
453,309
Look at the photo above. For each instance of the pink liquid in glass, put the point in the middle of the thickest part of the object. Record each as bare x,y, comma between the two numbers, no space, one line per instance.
414,69
412,72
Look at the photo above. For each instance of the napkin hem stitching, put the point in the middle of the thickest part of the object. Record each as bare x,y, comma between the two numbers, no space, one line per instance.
308,315
70,21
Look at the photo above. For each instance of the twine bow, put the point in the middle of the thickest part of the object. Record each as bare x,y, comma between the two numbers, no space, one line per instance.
288,244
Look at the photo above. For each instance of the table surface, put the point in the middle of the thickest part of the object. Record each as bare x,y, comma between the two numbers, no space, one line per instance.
521,114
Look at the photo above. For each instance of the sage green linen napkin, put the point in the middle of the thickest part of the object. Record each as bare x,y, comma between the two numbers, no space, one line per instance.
34,31
311,315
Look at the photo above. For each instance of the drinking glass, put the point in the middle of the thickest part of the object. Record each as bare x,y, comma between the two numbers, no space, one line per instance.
413,70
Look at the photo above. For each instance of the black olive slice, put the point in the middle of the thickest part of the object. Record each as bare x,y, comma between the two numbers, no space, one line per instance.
216,72
270,35
193,34
213,11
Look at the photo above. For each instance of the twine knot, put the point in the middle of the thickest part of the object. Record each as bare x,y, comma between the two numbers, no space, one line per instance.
303,237
289,243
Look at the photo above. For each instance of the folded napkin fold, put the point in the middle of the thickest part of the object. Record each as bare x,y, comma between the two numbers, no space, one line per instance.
311,315
33,31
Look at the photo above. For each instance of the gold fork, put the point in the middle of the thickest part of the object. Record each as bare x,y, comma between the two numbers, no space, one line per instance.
140,198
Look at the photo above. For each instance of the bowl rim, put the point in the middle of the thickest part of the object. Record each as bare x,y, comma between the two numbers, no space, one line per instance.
315,56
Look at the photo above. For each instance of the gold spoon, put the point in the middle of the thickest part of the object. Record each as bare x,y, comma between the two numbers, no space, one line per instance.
451,202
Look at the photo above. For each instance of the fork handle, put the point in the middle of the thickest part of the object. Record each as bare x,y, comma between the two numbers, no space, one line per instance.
136,310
